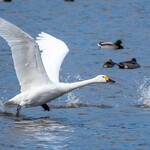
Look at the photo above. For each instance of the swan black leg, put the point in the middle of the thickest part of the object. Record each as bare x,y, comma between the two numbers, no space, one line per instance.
18,110
46,107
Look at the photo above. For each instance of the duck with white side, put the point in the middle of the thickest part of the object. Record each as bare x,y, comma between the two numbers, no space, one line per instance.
111,45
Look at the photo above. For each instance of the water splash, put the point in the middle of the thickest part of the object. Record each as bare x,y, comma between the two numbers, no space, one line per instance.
72,98
144,92
5,111
77,76
69,77
2,108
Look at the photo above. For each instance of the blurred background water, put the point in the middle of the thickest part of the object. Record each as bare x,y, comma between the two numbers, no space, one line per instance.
99,117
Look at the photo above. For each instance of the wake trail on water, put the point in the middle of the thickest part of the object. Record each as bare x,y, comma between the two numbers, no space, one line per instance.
5,111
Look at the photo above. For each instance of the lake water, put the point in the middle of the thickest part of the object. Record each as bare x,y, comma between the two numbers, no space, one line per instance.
96,117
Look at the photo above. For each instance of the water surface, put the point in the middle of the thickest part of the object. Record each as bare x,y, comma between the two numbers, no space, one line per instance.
113,116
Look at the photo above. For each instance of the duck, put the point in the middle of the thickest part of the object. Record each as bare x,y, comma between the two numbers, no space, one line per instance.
111,45
37,63
132,64
109,64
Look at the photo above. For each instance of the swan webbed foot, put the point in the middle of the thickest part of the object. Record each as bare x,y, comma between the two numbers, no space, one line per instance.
46,107
18,110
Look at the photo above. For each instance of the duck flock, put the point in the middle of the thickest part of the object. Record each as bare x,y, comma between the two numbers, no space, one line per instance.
130,64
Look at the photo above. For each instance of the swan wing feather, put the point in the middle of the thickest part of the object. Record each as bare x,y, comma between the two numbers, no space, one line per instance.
53,52
26,56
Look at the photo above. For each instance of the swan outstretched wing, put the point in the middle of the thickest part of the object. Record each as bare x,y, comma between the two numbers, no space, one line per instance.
26,56
53,52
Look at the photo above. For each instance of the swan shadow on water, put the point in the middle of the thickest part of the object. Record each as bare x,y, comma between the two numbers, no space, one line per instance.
9,114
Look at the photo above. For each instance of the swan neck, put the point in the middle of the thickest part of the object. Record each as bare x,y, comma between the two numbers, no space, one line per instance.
75,85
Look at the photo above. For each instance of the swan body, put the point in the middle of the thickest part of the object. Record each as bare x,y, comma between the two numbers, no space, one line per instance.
37,97
110,45
37,65
45,94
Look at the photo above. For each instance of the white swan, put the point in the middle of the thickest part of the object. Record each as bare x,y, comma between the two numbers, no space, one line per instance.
39,85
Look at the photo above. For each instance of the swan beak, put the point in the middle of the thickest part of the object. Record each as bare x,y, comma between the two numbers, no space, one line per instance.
111,81
108,80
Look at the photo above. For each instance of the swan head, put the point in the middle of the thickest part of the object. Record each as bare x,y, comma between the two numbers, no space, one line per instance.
103,79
